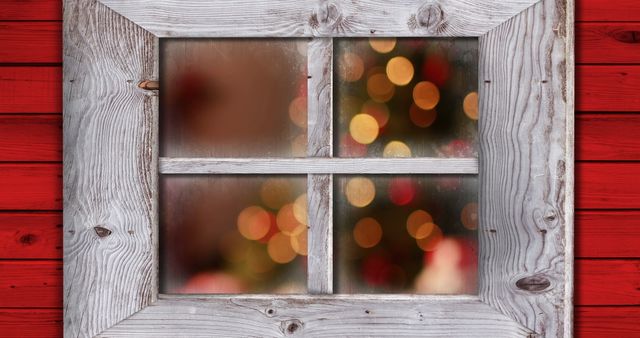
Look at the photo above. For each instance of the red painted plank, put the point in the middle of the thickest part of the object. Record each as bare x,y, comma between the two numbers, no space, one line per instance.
607,185
607,321
31,235
30,42
30,138
608,137
31,284
31,10
607,88
30,89
607,10
607,282
30,187
31,322
617,42
607,234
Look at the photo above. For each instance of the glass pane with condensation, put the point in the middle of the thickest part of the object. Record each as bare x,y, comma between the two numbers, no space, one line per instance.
233,234
406,234
233,97
406,97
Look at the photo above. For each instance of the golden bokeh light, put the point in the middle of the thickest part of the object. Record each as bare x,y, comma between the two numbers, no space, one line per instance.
400,71
275,192
421,117
415,221
300,209
360,191
299,146
470,105
367,233
379,88
279,249
253,222
379,111
350,67
430,242
286,220
298,111
396,149
426,95
364,128
299,240
469,216
382,45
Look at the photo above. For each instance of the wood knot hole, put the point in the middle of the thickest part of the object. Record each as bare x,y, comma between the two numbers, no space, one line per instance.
101,231
533,283
27,239
291,326
429,15
270,312
627,36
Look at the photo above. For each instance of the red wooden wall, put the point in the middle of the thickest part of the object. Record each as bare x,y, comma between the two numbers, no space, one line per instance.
607,169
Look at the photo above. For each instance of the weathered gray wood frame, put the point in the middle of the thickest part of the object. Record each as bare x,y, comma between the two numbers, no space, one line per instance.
111,167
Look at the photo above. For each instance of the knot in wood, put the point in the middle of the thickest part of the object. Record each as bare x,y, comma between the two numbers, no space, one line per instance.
326,16
291,326
533,283
27,239
430,16
102,231
270,312
627,36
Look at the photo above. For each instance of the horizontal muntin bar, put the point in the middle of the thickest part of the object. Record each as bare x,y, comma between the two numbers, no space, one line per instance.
318,165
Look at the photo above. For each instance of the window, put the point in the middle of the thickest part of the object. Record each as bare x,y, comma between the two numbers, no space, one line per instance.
133,165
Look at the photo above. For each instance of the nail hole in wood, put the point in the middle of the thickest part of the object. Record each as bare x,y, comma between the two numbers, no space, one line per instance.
101,231
271,312
533,283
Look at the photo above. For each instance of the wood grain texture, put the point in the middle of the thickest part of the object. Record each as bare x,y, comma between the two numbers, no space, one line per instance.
30,90
608,88
30,187
608,10
31,10
33,284
30,138
320,257
30,42
318,165
607,185
608,137
219,18
30,235
603,42
31,322
607,321
525,146
608,282
320,316
110,166
608,234
320,98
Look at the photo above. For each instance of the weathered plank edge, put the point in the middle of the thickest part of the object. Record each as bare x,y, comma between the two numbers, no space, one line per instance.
320,257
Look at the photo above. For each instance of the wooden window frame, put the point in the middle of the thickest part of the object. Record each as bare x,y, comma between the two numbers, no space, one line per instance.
111,169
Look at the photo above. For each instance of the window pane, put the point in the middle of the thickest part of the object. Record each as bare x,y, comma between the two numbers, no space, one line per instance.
406,97
233,234
406,234
233,97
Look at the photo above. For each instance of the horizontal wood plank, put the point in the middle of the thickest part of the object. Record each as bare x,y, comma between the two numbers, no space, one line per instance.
608,88
31,10
30,89
318,165
31,322
613,137
31,284
607,321
604,42
30,42
608,10
607,234
30,187
30,235
607,185
30,138
607,282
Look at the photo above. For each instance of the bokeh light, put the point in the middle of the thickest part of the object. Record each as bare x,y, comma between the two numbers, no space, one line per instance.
364,128
421,117
470,105
400,71
382,45
299,240
379,111
253,222
469,216
426,95
367,232
280,250
298,111
396,149
380,88
300,209
401,190
286,220
430,242
416,221
360,191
